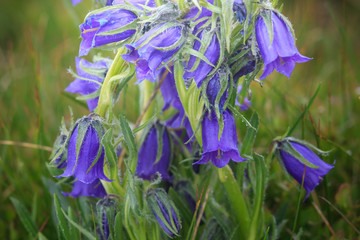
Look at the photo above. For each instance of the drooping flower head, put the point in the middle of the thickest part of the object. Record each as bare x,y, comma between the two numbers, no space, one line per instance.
164,211
294,154
156,48
155,154
108,26
88,79
281,54
198,69
85,153
80,189
219,152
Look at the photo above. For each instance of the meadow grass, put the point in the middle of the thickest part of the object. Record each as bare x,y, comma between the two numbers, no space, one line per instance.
39,41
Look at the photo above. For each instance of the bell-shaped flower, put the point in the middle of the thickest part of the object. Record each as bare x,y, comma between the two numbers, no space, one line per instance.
219,152
245,104
88,79
294,154
198,69
281,54
80,189
85,153
164,211
155,154
155,49
110,25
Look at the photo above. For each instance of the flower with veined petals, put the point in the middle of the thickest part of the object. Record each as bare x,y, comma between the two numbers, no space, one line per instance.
219,152
148,164
97,28
85,153
282,53
296,168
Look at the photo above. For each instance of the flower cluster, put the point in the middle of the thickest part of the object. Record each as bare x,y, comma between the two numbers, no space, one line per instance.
203,59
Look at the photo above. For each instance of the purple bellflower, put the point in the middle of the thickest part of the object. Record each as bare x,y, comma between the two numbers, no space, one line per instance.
80,189
296,168
85,154
148,163
97,29
219,152
150,56
212,53
246,103
88,79
164,211
282,53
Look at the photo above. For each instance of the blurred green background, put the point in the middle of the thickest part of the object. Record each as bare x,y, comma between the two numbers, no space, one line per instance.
39,40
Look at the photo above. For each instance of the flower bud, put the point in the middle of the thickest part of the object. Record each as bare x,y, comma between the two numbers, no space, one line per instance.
299,159
106,209
85,153
164,211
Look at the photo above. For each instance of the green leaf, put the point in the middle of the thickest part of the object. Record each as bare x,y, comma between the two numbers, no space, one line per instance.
259,196
119,234
61,217
110,153
250,136
130,142
25,217
236,198
74,232
88,234
266,15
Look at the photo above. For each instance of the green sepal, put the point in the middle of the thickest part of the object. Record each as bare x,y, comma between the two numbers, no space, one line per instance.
257,209
190,99
267,17
155,195
250,136
159,31
287,147
89,96
110,153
